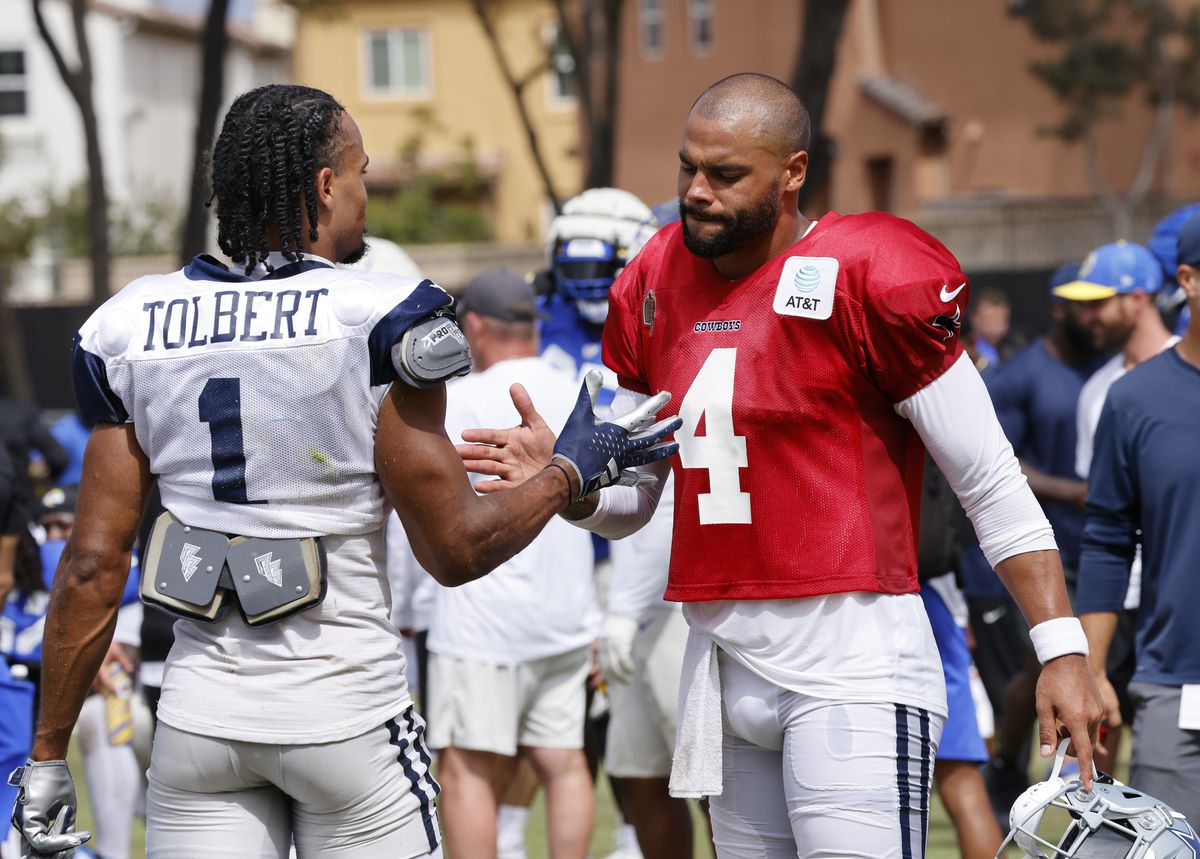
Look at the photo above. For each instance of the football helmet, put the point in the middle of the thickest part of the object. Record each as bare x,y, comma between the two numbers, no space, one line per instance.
598,232
1110,821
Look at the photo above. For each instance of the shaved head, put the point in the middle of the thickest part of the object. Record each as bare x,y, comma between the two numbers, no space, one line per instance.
775,115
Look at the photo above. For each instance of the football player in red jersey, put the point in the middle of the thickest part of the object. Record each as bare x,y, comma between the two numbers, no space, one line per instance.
811,363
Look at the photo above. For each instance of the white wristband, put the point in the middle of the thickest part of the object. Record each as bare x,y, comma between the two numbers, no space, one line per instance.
1058,637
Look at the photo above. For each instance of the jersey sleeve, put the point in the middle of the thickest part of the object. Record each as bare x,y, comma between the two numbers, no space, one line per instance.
621,343
99,362
401,312
914,302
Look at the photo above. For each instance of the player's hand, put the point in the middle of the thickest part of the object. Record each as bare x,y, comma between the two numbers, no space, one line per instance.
1067,696
511,455
103,683
602,453
616,648
1112,706
44,813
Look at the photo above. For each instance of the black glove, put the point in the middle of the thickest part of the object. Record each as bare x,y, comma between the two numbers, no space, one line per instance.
602,452
44,813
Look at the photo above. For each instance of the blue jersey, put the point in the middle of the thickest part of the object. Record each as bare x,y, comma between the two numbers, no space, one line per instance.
72,433
1036,396
1144,474
572,344
23,620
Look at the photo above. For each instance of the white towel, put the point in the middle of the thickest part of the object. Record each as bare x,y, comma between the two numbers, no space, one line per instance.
696,769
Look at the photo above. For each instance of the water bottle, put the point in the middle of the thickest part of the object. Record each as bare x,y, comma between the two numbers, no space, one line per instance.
118,716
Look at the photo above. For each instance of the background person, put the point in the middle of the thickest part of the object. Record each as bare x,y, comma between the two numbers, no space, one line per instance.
510,653
1141,489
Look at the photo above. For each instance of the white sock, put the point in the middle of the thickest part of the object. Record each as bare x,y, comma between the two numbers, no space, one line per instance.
510,831
627,839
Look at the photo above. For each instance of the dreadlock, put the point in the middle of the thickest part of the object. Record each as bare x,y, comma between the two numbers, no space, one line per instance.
272,143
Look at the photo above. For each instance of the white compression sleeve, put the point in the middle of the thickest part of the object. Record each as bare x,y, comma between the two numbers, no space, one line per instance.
622,510
955,418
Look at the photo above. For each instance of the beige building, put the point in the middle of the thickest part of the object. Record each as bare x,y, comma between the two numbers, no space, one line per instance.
420,78
933,112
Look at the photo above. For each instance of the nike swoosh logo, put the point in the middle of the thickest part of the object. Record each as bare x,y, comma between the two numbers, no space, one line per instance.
990,617
950,296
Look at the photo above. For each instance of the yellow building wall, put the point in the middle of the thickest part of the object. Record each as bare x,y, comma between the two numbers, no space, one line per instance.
467,96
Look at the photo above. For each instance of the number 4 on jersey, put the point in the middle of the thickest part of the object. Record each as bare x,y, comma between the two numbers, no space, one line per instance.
719,451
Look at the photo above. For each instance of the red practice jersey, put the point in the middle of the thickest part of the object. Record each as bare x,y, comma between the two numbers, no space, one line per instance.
795,475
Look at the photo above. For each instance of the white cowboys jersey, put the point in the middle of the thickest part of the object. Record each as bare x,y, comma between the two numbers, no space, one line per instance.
255,400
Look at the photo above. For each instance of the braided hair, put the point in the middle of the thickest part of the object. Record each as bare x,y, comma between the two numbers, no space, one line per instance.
272,143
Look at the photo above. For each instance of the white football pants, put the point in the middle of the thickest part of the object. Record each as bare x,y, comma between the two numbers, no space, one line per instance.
807,777
369,797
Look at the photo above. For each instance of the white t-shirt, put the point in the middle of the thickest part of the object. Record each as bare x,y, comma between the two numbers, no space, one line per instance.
542,602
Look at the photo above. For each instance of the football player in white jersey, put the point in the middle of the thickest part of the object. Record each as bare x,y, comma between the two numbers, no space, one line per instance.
281,407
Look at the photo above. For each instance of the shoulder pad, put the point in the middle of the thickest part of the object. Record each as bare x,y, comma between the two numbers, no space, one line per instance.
431,352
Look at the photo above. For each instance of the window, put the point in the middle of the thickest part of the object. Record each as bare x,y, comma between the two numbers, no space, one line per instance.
13,84
562,65
650,20
700,25
398,61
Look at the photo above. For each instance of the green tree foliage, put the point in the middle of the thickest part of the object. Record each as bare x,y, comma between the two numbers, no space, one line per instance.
431,205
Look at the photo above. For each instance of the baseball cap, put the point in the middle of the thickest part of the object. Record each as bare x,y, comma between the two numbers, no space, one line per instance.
1066,273
60,499
1164,238
1114,269
500,293
1187,247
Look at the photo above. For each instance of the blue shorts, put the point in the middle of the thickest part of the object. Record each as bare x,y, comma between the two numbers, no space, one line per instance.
961,740
16,715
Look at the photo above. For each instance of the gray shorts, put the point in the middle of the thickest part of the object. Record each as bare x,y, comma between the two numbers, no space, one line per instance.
1166,758
370,797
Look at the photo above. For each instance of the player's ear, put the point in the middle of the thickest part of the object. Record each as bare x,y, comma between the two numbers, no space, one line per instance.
324,185
795,170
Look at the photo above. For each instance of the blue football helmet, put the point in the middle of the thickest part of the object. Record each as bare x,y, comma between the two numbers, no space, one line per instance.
598,232
1110,821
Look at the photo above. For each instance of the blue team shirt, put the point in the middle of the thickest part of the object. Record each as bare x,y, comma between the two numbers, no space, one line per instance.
1144,475
24,615
572,344
72,433
1036,396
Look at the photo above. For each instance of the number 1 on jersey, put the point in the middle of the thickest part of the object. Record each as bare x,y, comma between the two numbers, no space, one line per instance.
221,408
719,450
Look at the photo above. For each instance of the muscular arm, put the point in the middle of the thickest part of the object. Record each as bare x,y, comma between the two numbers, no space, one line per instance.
456,535
955,418
90,580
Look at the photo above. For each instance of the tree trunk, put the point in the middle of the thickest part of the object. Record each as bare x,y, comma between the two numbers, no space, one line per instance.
12,347
517,89
212,87
79,83
602,129
815,64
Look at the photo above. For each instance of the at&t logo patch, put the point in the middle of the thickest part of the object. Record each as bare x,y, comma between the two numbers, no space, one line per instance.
806,287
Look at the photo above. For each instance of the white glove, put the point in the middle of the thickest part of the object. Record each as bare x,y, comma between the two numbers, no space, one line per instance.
616,652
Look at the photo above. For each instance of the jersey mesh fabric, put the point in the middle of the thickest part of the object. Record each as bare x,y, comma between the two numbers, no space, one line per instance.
301,408
832,472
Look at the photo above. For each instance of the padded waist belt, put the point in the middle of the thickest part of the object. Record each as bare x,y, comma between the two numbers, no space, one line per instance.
195,573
